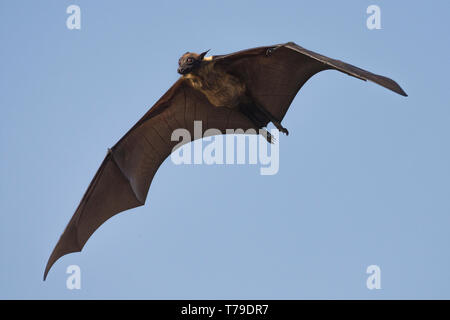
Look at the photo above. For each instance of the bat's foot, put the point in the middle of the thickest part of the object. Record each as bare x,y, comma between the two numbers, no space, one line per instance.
284,130
281,128
270,138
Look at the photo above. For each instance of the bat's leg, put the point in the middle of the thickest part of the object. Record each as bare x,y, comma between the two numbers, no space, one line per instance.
267,114
272,119
259,122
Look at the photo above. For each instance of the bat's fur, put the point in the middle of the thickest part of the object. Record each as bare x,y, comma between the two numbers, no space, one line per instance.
221,88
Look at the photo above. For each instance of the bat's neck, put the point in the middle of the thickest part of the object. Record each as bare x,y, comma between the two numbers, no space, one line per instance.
205,72
203,77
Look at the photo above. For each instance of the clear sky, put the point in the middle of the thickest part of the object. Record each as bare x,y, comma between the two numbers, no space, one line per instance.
364,175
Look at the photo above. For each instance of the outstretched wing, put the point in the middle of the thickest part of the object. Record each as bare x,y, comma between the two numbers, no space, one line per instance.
124,177
275,74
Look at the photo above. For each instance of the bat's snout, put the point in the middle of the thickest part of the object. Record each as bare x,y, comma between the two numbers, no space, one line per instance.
183,70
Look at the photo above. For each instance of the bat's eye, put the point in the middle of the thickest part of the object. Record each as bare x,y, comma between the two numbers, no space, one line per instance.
189,60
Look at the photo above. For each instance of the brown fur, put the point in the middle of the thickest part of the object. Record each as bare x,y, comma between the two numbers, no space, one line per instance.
221,88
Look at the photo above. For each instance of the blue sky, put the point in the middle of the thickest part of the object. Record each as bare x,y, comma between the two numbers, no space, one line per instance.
364,174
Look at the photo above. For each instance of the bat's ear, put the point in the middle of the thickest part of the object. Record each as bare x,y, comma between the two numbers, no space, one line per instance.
203,54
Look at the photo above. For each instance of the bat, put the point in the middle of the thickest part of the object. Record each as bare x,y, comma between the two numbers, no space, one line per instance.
243,90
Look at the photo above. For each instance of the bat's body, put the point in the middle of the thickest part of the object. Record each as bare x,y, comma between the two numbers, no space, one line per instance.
221,88
242,90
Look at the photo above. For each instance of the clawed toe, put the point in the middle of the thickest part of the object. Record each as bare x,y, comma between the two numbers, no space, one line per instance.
285,131
280,127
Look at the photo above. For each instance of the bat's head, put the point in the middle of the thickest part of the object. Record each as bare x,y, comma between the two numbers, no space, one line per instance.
190,61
